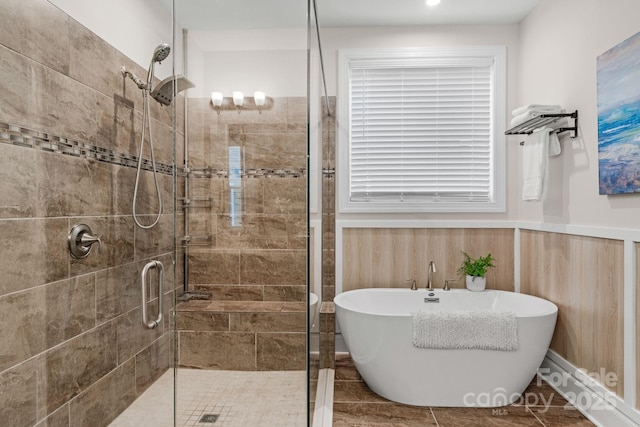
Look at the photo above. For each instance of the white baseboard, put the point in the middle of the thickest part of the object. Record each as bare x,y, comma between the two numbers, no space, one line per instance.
594,401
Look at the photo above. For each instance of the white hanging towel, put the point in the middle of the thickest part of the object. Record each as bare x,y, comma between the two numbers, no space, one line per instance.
538,146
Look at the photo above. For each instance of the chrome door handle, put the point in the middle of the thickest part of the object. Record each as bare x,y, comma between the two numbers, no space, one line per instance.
152,324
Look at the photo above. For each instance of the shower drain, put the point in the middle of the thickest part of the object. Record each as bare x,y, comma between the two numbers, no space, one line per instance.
209,418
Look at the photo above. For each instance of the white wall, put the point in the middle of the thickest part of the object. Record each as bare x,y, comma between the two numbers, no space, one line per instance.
560,41
274,61
334,39
134,27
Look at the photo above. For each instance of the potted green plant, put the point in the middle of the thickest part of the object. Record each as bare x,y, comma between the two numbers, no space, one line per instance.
475,270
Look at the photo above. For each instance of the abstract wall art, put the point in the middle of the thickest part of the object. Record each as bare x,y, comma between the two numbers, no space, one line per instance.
619,118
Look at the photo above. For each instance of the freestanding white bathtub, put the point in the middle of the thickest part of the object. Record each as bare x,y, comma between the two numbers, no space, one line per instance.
377,328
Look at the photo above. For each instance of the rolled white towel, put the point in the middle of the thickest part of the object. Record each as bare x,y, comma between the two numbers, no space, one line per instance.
536,107
521,118
530,114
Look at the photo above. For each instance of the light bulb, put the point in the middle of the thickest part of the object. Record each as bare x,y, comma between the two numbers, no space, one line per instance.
238,98
259,98
216,98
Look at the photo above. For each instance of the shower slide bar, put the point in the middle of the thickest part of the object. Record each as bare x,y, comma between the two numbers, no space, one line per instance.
152,324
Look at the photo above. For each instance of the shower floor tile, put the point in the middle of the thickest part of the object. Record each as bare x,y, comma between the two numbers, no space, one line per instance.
221,398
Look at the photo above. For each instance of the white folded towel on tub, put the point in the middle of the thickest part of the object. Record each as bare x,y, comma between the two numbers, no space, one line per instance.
485,330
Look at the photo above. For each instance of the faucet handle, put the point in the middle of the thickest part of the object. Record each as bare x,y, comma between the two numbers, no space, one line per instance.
446,284
88,239
414,285
80,240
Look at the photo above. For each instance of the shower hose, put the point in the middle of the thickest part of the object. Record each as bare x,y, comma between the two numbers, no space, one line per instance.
146,123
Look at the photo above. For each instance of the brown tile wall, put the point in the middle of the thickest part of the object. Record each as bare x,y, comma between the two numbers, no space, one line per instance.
327,336
72,350
328,199
261,264
326,320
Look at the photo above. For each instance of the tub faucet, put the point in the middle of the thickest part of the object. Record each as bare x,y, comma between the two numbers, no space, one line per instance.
430,271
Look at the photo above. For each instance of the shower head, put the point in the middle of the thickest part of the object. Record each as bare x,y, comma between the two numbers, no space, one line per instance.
163,92
160,53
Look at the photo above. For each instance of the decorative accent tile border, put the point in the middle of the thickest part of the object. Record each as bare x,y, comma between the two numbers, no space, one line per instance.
208,172
24,137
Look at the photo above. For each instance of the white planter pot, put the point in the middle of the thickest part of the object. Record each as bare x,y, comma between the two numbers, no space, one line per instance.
476,284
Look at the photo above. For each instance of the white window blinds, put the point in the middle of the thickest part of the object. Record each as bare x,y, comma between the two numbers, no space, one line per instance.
421,130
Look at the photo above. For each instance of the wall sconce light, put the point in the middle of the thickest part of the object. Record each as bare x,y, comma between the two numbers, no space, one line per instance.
238,99
259,98
216,98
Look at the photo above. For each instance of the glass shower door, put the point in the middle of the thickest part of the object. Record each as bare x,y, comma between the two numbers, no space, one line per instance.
241,320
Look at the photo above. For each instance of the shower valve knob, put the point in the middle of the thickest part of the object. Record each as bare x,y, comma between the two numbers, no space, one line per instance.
81,239
87,240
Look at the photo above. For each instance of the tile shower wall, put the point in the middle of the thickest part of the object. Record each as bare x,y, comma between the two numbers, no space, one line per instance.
328,199
326,317
261,263
72,350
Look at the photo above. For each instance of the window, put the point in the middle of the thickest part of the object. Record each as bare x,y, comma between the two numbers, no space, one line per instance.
424,130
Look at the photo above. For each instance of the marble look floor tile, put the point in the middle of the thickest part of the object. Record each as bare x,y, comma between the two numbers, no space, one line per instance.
346,370
356,405
354,391
381,415
540,393
485,417
555,416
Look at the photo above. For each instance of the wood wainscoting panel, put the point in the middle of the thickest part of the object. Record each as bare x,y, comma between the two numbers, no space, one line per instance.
387,257
584,277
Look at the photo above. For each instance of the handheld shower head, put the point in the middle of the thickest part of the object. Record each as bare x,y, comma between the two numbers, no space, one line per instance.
160,53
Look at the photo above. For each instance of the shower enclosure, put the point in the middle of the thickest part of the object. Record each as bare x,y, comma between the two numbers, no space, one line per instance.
225,189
